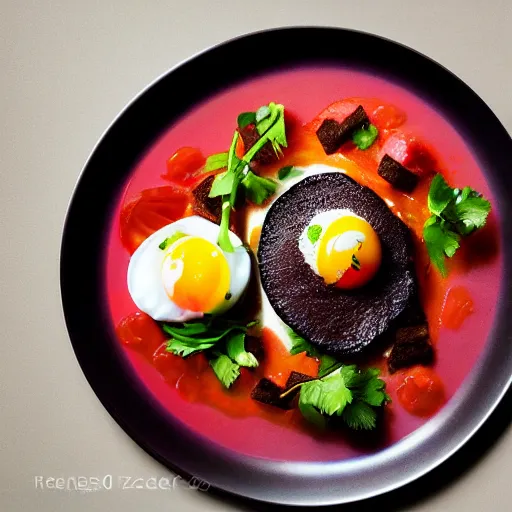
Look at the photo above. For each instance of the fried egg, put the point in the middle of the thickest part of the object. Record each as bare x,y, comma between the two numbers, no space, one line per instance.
342,248
180,273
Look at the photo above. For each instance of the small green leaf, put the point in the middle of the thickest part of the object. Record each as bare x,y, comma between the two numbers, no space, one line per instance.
217,161
312,415
439,195
245,119
363,138
222,184
314,233
185,349
440,242
226,370
288,172
236,350
170,240
360,416
257,188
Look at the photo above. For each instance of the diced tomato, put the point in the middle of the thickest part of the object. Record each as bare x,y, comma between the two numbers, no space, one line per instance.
410,151
421,392
458,305
151,210
169,365
183,168
140,332
383,116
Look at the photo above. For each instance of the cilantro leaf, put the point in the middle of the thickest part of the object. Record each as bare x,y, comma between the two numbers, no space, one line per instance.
360,416
456,214
329,395
439,195
440,241
363,138
288,172
257,188
312,415
347,392
314,233
245,119
185,349
471,214
217,161
222,184
271,128
170,240
236,350
226,370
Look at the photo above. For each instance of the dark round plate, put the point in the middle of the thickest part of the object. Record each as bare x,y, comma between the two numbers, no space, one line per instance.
83,260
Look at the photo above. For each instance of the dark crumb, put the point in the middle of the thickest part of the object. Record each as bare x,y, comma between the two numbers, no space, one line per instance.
396,174
269,393
333,134
329,135
209,207
266,155
297,378
412,346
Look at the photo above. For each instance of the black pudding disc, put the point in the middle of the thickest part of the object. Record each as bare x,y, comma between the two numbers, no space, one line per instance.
339,322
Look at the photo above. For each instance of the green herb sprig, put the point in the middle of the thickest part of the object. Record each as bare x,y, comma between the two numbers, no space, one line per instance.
270,125
222,340
456,213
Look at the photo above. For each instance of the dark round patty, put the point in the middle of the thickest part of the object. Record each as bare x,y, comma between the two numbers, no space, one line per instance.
339,322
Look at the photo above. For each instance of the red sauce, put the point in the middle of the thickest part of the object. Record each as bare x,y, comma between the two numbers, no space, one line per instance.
196,382
458,305
421,392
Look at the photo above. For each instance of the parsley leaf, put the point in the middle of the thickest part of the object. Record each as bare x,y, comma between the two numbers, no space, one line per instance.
257,188
236,350
360,416
363,138
440,241
314,233
171,239
312,415
217,161
439,195
245,119
226,370
184,349
329,395
455,214
288,172
347,392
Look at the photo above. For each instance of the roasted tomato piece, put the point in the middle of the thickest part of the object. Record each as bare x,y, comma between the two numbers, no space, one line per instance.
382,115
184,167
151,210
410,151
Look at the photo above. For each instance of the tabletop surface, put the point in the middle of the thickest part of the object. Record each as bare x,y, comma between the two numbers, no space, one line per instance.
68,68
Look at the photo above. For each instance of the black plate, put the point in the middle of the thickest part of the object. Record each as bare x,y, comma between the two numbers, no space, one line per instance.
83,294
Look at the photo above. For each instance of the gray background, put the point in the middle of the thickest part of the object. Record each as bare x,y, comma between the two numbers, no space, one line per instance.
67,69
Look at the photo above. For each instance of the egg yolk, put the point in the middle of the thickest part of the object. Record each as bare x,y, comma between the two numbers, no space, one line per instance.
349,253
196,275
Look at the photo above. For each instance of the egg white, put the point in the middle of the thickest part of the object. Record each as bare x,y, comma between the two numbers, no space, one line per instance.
144,277
324,220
